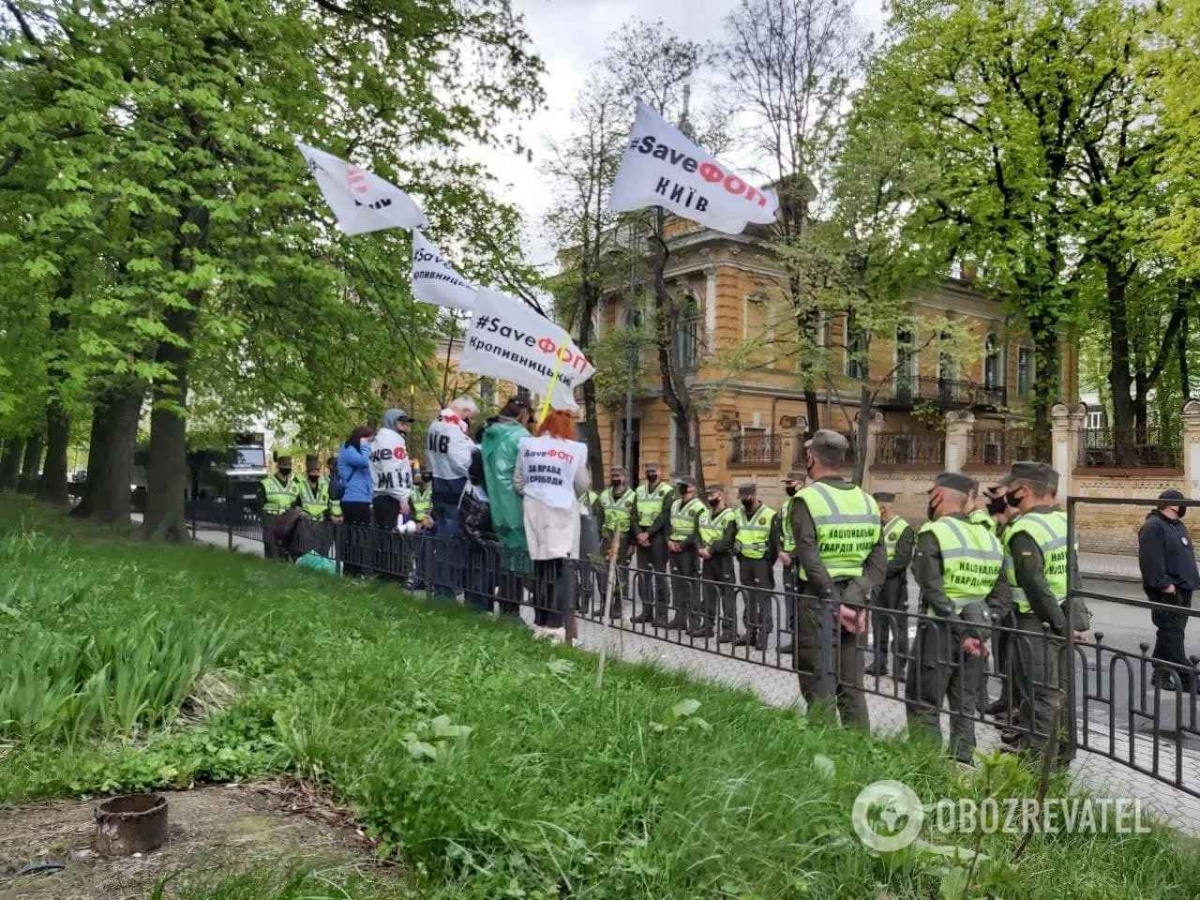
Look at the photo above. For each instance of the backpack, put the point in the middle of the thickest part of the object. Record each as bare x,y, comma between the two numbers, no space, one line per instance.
337,487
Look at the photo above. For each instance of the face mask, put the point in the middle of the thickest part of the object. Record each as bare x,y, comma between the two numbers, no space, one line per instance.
1012,499
748,504
285,473
651,477
616,484
682,489
791,491
714,502
931,511
1182,510
997,505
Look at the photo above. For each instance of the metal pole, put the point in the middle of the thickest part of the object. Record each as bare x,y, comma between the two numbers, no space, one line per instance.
1072,565
632,364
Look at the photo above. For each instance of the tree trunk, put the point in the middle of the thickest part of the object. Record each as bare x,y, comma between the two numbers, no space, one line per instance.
695,443
31,464
1046,384
10,463
862,431
166,476
674,384
1181,349
53,486
1119,379
595,449
110,457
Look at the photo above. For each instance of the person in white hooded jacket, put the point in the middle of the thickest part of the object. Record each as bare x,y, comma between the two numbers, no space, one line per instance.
448,450
391,470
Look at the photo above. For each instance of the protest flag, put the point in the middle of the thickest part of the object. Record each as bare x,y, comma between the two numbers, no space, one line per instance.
662,167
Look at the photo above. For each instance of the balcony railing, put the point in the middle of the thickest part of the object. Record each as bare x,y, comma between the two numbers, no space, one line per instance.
798,452
893,448
905,390
1001,447
1145,449
756,450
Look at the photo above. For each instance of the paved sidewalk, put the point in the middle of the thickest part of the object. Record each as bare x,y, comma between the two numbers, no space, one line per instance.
780,688
1111,566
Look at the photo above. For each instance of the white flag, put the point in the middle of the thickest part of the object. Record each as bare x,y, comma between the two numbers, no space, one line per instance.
434,281
662,167
509,341
361,200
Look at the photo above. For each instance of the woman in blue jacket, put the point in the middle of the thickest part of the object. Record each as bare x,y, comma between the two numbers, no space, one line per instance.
354,470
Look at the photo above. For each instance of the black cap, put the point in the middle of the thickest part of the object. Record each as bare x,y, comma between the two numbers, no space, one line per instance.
955,481
284,462
747,490
884,497
1171,494
1037,473
311,463
685,480
714,488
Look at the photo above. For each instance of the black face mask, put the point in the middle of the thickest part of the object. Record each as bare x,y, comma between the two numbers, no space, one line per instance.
791,490
651,477
714,502
682,490
285,473
616,484
748,504
1012,499
997,505
931,511
1182,510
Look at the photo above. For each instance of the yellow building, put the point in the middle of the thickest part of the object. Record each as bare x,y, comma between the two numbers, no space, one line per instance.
735,348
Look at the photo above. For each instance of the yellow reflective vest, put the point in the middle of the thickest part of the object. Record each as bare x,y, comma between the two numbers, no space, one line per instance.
972,560
1049,531
280,497
787,532
316,503
892,532
754,532
712,527
618,511
422,501
649,503
847,524
683,518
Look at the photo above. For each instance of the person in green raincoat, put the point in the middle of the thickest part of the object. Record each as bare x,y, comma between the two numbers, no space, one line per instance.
499,448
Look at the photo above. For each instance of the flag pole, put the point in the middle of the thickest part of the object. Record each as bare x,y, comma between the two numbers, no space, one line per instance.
550,390
449,350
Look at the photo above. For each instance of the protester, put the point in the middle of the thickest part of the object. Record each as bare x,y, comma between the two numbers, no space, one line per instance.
1167,559
448,457
892,596
551,471
475,524
959,568
500,446
354,472
391,470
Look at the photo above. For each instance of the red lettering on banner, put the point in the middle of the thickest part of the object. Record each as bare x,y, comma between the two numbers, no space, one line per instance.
731,181
709,172
546,345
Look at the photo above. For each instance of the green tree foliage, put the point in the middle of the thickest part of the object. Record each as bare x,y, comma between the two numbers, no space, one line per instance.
170,235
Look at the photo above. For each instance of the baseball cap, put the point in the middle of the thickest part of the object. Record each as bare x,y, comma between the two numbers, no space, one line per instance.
955,481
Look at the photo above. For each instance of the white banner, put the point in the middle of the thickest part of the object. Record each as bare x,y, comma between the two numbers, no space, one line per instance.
361,200
662,167
434,281
509,341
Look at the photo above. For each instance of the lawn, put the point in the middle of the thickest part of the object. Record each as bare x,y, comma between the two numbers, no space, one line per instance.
487,763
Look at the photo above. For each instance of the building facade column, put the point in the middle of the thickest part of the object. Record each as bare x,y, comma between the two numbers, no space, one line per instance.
1191,449
959,425
1066,427
874,426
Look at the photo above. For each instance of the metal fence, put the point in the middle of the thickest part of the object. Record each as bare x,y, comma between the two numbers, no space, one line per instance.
756,449
1001,446
1039,686
895,448
1150,448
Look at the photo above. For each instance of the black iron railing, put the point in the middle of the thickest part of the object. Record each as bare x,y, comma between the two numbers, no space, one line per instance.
1149,448
896,448
756,450
1001,447
905,390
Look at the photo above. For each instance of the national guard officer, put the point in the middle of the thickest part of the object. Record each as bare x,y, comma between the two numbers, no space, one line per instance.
278,493
718,532
792,483
648,536
1036,559
898,540
958,567
616,507
314,492
682,545
757,546
422,499
840,559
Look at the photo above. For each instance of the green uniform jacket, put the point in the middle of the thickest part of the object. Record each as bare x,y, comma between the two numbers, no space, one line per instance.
499,449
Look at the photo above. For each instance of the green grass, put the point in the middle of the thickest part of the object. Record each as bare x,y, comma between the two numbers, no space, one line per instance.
487,762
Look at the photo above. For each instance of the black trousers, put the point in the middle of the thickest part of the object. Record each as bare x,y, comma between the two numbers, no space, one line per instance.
720,589
893,596
685,589
652,577
389,551
355,540
1168,641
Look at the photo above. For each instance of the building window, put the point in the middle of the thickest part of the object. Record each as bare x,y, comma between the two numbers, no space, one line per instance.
1024,371
906,361
858,342
947,365
680,451
824,329
1095,419
685,343
991,362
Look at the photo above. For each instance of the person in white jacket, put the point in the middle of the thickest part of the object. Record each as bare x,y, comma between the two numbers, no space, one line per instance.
448,450
391,470
551,473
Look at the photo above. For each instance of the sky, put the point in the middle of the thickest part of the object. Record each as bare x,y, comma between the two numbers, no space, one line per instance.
570,37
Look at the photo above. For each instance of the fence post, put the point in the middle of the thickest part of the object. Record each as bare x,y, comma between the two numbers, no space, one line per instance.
1067,423
959,425
1191,449
874,426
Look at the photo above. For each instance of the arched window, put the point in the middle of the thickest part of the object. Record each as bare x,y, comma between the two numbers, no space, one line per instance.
991,362
685,344
858,341
906,362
